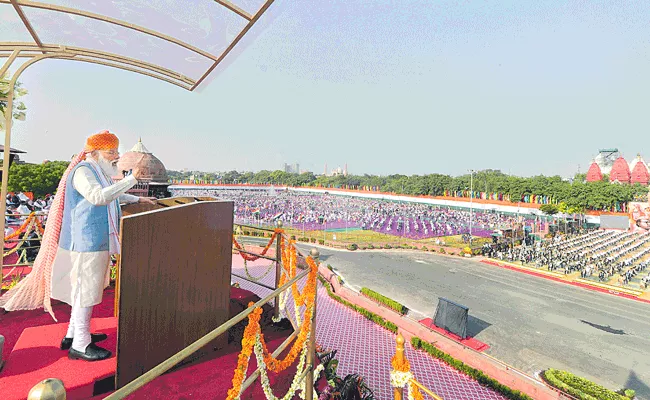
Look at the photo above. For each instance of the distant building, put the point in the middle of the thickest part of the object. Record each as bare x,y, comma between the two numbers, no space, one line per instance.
620,172
337,171
594,174
292,169
610,161
606,158
151,172
640,173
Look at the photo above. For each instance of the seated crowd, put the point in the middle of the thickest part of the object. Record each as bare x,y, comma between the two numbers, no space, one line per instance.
322,211
597,253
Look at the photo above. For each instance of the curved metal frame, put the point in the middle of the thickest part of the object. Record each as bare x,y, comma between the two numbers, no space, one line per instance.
38,51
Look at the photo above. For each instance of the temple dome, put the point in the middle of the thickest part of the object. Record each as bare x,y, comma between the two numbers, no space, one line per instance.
620,171
144,164
640,173
594,174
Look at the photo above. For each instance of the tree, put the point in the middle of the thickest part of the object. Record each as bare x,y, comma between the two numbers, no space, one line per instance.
19,107
549,209
41,179
580,177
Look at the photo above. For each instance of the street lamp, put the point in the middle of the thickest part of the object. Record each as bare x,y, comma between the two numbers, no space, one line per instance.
471,204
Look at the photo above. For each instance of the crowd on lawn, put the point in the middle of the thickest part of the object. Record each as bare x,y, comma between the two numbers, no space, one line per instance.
324,211
597,253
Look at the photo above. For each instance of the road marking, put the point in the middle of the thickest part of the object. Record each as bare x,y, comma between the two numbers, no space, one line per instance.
421,261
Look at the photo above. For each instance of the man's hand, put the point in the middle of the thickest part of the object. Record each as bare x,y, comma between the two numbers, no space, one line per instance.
147,200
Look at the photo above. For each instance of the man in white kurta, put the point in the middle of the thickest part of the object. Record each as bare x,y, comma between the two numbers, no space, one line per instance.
81,269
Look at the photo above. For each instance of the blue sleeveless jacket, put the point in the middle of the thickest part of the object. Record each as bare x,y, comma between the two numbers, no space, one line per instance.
85,226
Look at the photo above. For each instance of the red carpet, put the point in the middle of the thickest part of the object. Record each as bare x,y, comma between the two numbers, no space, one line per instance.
578,284
35,338
20,270
469,342
36,356
13,323
10,259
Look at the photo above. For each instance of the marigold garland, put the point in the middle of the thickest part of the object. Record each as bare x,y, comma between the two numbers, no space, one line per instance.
309,293
20,244
22,227
40,226
247,343
401,366
414,392
257,279
289,257
250,257
401,376
253,333
276,365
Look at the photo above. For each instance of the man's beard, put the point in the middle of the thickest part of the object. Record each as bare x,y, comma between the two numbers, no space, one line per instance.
109,167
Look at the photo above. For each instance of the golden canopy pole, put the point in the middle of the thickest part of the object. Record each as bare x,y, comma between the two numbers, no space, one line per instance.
8,121
5,158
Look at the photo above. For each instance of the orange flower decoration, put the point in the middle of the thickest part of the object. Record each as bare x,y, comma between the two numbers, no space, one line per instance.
247,343
250,257
22,227
309,293
308,298
401,366
414,390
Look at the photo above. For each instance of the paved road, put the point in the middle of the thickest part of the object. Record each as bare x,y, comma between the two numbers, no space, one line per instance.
529,322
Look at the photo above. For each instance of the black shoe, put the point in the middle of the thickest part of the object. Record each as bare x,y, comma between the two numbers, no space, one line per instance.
92,353
66,343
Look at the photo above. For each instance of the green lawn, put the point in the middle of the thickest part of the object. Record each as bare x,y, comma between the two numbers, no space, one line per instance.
367,237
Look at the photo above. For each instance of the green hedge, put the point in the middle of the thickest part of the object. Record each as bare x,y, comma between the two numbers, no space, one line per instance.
387,301
475,374
581,387
369,315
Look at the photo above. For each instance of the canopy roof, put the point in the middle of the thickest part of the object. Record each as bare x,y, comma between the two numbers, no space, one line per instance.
11,150
178,41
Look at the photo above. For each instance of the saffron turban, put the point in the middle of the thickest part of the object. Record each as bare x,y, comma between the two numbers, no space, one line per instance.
102,141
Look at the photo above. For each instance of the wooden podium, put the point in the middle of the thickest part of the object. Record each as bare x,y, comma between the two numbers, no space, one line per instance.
173,282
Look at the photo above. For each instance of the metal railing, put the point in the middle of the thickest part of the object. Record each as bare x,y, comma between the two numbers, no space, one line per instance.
277,259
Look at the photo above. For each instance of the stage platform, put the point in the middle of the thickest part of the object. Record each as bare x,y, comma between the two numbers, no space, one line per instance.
36,356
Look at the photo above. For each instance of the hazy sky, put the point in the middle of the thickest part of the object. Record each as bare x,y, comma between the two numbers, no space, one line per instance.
408,87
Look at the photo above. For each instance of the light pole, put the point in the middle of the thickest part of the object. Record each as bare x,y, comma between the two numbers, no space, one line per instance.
471,204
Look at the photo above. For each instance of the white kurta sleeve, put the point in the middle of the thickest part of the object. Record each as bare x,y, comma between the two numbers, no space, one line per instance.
128,199
85,182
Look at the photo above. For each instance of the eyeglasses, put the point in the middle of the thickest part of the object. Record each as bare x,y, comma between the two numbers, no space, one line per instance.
111,152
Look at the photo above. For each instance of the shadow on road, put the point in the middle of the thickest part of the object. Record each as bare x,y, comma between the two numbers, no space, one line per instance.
476,326
604,328
642,389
